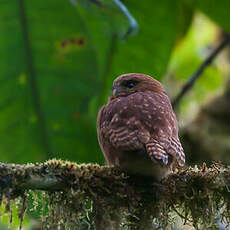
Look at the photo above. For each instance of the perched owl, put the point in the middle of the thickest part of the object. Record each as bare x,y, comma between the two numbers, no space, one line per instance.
137,128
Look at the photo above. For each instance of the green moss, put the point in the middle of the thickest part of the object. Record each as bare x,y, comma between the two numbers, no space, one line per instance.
89,196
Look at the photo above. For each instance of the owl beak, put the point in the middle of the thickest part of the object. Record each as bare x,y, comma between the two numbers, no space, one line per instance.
114,92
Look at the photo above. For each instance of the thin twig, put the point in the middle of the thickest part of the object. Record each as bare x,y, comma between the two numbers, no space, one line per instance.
133,25
188,85
179,214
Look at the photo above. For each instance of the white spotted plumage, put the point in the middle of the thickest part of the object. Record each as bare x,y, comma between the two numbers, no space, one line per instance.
138,127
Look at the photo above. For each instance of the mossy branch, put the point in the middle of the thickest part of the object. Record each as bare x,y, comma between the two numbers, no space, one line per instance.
90,194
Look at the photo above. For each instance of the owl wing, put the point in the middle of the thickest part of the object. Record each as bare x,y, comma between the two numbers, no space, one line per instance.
164,142
123,132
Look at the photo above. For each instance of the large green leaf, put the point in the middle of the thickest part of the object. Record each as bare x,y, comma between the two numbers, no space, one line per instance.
147,52
216,10
56,57
48,75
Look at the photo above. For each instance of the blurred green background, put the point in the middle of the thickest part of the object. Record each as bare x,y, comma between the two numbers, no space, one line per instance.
59,59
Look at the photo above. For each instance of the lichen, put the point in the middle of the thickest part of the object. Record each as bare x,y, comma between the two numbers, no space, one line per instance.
90,196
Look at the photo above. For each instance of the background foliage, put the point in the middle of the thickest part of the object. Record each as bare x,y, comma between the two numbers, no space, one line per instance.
59,59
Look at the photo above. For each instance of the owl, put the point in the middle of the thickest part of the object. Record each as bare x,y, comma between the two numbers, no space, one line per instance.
137,129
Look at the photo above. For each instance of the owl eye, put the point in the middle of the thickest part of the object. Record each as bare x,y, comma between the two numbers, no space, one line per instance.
130,84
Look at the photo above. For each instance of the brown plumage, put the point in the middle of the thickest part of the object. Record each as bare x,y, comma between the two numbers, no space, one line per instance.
137,128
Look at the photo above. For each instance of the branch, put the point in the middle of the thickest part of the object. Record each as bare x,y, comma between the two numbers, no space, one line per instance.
201,193
189,84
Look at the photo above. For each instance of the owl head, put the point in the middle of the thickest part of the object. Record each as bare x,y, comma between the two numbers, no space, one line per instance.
130,83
